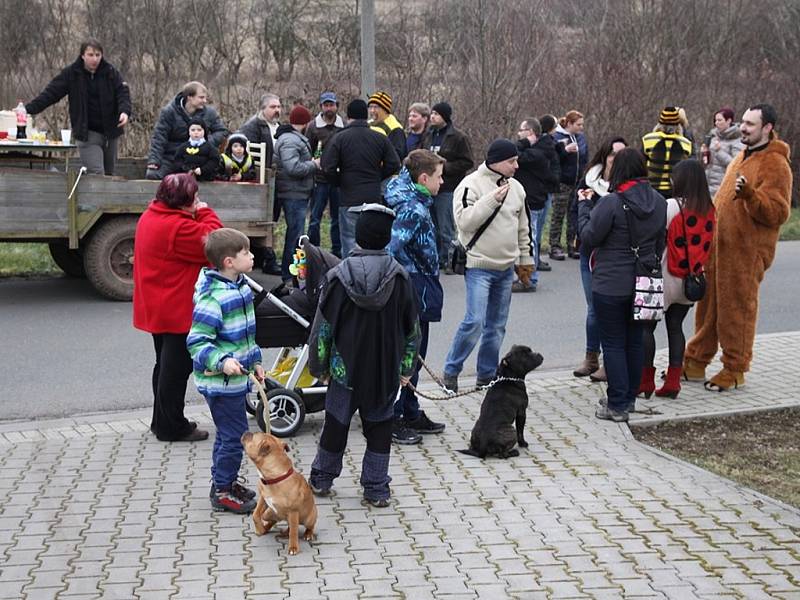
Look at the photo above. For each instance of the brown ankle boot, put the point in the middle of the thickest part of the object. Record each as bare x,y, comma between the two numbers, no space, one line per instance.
589,365
599,376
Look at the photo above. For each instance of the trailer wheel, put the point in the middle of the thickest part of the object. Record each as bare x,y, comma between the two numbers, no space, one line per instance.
69,261
108,258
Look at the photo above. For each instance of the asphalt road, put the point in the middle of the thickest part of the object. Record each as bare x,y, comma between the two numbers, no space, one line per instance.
66,351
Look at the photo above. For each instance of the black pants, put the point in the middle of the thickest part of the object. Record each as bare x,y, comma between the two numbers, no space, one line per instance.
407,405
673,318
170,374
327,466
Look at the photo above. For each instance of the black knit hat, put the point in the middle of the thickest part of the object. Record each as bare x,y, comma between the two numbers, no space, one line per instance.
374,226
500,150
357,109
444,110
201,123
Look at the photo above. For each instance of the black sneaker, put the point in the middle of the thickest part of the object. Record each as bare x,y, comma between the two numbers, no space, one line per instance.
544,266
403,435
422,424
242,492
319,490
481,383
226,500
450,382
377,503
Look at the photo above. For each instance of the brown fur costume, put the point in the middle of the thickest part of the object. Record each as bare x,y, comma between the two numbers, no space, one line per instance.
742,250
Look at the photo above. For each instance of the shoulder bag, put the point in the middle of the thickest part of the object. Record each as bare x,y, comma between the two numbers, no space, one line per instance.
458,263
648,289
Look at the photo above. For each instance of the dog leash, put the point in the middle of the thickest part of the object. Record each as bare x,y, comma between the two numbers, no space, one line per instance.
259,390
449,394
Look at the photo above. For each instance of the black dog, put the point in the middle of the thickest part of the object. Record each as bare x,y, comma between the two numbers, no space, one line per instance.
505,403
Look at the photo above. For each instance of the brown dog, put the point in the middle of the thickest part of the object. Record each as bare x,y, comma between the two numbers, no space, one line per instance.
283,493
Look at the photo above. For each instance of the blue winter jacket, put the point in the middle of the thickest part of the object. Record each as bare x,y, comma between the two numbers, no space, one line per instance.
413,242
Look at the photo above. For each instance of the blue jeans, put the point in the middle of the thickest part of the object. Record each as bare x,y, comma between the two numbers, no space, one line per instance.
323,194
592,331
623,352
407,406
442,215
230,419
295,212
347,229
538,220
488,301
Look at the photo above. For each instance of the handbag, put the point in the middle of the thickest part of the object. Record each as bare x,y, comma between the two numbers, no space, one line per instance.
694,284
648,288
458,262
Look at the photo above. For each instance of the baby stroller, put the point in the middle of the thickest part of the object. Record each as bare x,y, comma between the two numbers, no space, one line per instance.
283,320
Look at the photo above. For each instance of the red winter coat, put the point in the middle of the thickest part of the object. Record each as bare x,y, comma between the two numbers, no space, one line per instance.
167,258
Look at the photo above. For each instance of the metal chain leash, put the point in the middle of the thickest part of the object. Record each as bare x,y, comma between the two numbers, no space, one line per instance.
449,394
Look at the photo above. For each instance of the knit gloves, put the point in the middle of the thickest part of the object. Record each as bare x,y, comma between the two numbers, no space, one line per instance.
524,273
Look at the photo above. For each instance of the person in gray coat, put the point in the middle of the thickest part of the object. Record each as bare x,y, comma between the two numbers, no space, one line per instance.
725,142
172,128
294,181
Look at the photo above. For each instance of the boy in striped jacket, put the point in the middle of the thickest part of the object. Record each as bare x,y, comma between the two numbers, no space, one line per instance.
222,345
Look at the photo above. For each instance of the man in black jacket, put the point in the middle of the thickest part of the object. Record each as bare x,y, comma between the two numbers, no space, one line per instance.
452,145
99,106
535,173
172,128
357,160
262,126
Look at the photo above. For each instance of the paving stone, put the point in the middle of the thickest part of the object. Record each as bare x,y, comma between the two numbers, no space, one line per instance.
586,511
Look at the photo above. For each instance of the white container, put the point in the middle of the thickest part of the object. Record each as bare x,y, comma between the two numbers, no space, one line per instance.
8,122
66,136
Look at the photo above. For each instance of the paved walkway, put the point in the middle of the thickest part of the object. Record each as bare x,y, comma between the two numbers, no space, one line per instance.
96,508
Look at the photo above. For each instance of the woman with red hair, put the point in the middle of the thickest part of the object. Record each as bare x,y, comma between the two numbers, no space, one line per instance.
168,255
724,143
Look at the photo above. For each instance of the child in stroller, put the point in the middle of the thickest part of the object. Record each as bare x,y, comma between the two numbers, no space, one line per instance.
283,320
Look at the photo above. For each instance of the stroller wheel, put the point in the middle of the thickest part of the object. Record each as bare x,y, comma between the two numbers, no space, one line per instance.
286,412
251,403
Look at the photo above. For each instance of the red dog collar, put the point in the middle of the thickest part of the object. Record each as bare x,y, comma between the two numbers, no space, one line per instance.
277,479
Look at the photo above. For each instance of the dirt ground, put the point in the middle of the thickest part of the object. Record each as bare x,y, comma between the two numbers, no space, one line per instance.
760,450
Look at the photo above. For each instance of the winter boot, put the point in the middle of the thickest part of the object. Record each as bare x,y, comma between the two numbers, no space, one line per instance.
599,376
648,383
672,383
693,370
725,380
589,365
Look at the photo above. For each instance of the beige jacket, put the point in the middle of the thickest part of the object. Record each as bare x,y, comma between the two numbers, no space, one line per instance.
507,240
